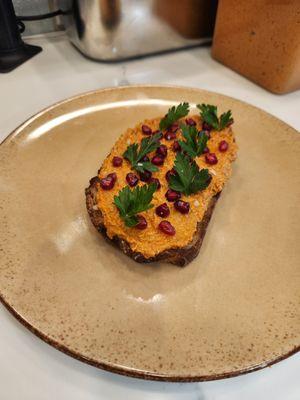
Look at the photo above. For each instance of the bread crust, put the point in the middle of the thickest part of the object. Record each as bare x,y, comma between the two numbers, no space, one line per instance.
179,256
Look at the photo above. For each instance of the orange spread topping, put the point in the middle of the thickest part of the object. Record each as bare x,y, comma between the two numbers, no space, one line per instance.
151,240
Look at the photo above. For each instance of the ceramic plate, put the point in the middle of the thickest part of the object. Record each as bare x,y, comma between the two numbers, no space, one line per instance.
234,309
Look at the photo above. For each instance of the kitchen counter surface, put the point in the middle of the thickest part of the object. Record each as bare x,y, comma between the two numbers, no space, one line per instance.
31,369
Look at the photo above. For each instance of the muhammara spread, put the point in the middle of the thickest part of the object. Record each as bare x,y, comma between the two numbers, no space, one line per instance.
151,236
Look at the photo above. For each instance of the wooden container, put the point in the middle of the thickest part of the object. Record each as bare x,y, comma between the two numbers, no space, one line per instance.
190,18
260,40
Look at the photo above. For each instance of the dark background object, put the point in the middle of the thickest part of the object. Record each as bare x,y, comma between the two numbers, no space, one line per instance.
13,51
36,8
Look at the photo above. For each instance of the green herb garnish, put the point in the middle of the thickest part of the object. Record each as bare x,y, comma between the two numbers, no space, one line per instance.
134,154
209,114
189,178
195,142
131,202
173,114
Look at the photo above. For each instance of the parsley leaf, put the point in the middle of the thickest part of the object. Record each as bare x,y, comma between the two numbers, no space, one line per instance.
131,202
209,114
134,154
145,165
173,114
189,179
226,119
148,144
195,142
131,153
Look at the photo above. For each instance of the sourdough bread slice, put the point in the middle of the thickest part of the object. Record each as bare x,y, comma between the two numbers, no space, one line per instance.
153,243
178,256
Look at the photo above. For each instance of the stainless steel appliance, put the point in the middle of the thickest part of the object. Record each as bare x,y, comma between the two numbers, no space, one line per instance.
111,30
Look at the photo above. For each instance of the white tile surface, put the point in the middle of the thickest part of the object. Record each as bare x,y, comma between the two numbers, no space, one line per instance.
29,368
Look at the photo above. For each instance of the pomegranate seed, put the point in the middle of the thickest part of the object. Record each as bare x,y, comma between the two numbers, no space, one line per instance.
146,130
112,176
156,181
132,179
142,223
182,206
117,161
190,122
206,126
145,176
206,150
211,158
108,182
157,160
162,150
223,146
170,173
176,146
145,158
167,228
163,210
170,135
173,128
171,195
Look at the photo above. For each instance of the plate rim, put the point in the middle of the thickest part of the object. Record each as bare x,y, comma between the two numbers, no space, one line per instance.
59,103
121,370
135,373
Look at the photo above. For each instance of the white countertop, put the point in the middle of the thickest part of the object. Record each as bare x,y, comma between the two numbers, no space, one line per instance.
31,369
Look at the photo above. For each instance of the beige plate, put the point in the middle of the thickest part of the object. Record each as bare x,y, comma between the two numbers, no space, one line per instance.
233,310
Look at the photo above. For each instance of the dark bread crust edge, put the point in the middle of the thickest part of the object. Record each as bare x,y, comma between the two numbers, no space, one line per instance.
179,256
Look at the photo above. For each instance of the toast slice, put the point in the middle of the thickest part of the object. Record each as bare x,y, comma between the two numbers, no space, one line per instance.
141,237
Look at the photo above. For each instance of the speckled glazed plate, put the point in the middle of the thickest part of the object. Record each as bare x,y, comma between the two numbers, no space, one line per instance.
234,309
